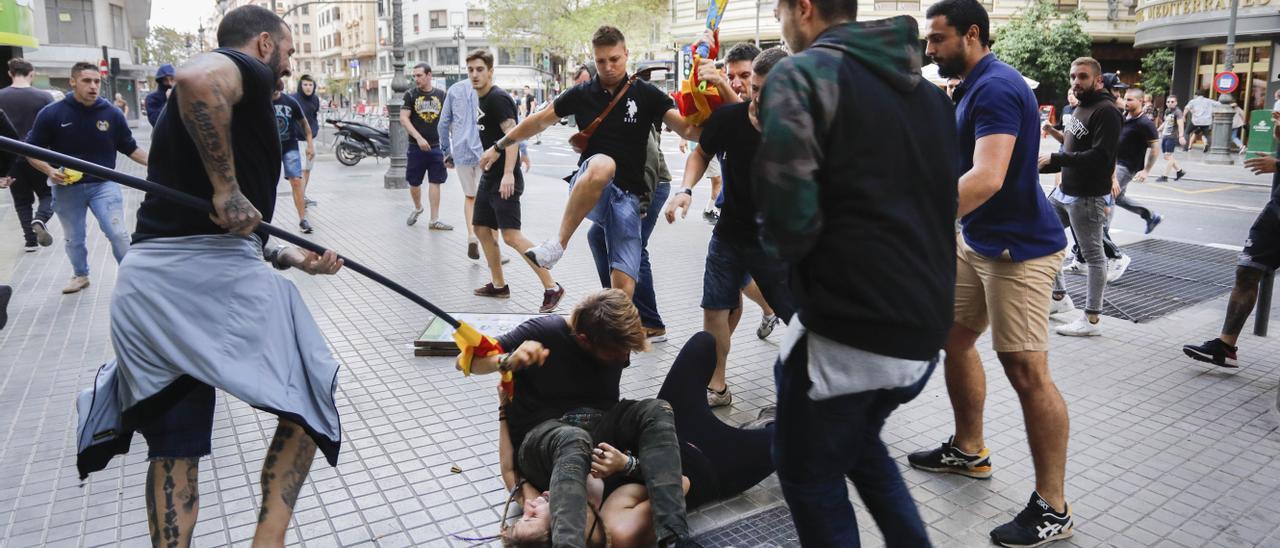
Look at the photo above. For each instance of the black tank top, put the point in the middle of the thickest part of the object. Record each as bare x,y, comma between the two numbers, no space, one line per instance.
175,161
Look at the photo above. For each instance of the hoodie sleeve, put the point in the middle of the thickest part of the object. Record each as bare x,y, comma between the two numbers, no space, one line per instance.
784,177
1104,125
155,104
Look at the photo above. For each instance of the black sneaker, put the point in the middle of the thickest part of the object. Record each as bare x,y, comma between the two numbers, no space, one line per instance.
1179,175
488,290
1153,222
952,460
1162,179
1214,351
5,293
42,233
305,226
1035,525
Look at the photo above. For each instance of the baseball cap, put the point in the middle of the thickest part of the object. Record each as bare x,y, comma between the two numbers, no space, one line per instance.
1111,82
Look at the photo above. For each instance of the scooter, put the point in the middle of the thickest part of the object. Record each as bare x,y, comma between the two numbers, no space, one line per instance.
355,141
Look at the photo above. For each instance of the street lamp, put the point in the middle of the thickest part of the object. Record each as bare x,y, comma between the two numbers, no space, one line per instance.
1219,151
395,176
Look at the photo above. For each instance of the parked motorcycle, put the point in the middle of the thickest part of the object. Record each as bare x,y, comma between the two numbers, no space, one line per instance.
355,141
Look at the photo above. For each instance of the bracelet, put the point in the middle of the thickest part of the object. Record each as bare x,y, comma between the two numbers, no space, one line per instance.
633,465
688,191
502,362
274,256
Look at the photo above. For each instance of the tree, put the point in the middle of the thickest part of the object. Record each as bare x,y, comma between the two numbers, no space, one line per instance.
166,45
1041,42
563,28
1157,71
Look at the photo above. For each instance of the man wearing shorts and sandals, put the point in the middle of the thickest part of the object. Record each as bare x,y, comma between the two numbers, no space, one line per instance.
1008,252
460,143
420,116
196,307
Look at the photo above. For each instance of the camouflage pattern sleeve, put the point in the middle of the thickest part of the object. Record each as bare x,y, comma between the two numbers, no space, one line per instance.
784,180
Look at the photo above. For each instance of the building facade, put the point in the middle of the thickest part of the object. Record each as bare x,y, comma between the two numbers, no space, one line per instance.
1196,30
1110,23
64,32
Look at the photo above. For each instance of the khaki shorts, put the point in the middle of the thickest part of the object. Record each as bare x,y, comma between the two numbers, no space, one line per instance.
469,176
713,168
1009,296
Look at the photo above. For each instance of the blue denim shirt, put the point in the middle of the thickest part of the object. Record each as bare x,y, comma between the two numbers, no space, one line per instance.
458,129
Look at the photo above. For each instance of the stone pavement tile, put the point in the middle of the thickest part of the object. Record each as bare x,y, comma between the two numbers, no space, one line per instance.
1163,451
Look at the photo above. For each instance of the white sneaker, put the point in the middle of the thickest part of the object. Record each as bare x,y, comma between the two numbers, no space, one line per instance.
1061,306
1116,267
1075,267
413,217
1082,327
546,254
767,323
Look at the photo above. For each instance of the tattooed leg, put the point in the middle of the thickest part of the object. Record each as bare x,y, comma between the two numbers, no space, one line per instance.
173,501
1243,296
283,472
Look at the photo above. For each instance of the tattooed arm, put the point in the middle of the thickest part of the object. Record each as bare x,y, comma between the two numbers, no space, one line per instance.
207,87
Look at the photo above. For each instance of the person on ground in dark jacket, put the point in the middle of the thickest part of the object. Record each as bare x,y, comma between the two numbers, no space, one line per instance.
310,102
867,228
1010,247
156,99
1087,163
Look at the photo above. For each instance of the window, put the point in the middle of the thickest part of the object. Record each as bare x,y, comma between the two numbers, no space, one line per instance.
475,19
70,22
306,47
700,9
307,65
439,18
1068,5
413,56
382,64
447,56
306,28
415,24
514,56
899,6
337,14
118,35
306,11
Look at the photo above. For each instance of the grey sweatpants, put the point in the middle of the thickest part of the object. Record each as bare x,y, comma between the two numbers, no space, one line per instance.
1087,217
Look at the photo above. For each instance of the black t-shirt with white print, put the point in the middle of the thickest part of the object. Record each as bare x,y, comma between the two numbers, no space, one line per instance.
624,133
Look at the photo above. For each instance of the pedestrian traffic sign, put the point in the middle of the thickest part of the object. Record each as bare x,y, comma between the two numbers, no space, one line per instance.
1226,82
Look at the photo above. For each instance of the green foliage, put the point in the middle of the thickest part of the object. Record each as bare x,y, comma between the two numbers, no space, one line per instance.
1041,42
166,45
564,27
1157,71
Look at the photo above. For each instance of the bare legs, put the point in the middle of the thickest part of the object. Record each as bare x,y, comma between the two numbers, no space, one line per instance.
586,192
433,198
515,240
721,324
173,498
1043,409
1170,164
1244,295
468,209
298,189
415,192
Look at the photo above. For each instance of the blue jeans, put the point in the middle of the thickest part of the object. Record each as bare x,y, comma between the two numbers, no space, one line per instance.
644,298
618,213
818,443
72,203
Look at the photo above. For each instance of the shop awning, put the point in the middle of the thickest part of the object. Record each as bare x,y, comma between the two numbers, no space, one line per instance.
17,26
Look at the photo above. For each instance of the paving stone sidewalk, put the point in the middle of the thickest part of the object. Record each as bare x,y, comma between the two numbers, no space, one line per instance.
1164,451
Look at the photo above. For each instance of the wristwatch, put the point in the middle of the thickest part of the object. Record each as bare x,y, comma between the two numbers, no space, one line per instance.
686,190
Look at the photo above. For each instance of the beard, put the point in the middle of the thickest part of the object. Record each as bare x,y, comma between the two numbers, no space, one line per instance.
274,62
950,68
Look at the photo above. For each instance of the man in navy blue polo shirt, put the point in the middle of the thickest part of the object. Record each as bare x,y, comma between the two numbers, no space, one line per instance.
90,128
1011,249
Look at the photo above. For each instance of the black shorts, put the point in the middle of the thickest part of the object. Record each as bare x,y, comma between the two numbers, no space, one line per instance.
419,164
1262,249
491,211
178,422
1168,144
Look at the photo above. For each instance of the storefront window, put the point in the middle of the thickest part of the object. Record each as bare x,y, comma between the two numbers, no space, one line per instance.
1261,53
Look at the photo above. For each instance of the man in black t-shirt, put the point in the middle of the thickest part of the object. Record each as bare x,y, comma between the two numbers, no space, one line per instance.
1136,155
290,121
1259,258
21,102
420,115
566,400
497,205
609,183
734,255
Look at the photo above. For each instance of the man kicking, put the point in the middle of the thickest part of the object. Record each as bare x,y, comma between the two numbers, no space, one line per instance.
610,179
196,307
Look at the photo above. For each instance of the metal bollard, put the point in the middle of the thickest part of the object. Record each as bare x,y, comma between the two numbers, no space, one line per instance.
1262,312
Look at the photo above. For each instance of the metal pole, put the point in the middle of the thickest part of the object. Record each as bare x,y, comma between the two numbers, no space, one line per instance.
395,177
1262,312
758,3
1219,152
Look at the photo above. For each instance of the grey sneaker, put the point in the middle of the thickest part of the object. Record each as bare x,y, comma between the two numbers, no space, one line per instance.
413,217
439,225
42,233
77,283
309,202
766,417
767,323
719,399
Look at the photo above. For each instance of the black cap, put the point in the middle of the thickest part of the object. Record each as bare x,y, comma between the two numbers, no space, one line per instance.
1112,82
